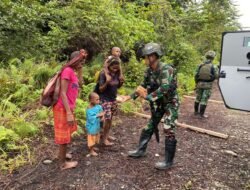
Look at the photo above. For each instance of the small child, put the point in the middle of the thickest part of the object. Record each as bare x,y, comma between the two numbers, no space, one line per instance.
94,115
115,52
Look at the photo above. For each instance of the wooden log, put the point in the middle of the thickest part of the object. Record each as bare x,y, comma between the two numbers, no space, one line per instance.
214,101
201,130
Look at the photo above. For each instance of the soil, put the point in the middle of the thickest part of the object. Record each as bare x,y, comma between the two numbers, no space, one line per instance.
201,160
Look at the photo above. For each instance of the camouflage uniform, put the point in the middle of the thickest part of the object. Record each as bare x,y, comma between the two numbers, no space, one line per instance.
162,95
204,87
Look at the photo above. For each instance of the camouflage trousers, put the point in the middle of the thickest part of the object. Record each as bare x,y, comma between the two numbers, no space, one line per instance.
169,113
202,95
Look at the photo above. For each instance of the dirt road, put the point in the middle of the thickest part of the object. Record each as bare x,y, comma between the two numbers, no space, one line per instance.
201,161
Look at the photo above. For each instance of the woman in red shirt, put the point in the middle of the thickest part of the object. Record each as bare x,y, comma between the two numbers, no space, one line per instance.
64,120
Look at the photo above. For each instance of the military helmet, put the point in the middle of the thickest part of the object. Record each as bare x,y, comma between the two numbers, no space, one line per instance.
210,54
151,48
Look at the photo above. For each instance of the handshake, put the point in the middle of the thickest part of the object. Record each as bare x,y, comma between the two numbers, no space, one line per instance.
140,91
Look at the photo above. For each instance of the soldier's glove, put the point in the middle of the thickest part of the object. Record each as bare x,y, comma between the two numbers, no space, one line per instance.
141,91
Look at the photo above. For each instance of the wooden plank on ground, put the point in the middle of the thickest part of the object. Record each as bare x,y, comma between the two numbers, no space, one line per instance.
214,101
201,130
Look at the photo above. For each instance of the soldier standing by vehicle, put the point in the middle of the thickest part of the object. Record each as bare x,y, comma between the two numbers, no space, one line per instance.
160,89
206,73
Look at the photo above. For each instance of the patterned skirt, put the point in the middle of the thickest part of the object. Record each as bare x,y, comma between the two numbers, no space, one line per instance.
110,109
62,130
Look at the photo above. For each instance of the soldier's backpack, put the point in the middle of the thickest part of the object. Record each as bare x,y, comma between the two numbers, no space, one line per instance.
206,72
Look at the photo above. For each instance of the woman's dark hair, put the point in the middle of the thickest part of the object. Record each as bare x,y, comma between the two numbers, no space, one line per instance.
74,55
113,61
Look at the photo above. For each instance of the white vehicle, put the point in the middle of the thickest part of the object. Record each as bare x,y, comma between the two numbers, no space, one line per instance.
234,81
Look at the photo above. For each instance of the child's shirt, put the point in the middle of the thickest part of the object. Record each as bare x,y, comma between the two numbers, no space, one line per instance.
72,92
93,121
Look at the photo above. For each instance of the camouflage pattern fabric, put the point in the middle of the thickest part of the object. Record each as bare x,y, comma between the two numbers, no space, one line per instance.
202,95
204,88
161,86
204,85
210,54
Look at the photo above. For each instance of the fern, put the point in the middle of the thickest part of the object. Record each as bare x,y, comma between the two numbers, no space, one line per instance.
7,137
41,76
26,66
80,111
42,114
14,61
86,90
25,129
8,108
128,107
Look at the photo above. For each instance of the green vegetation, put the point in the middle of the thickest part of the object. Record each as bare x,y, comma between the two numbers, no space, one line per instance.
37,37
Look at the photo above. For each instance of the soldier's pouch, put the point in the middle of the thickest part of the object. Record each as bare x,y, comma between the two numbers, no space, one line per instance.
204,85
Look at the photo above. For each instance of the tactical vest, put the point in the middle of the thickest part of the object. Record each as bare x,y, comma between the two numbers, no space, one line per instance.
206,73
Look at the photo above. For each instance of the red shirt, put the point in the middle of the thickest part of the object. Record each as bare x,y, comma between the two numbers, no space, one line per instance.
72,92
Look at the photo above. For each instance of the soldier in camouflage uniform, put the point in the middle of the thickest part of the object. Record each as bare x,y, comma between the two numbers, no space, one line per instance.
206,73
161,92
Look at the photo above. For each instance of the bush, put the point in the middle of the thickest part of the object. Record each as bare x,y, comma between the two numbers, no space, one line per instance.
25,129
80,112
130,106
42,114
125,90
90,71
134,73
183,57
86,90
8,109
42,75
186,84
7,137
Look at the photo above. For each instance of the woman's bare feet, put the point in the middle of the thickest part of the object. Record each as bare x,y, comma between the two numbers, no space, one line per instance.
108,143
69,165
96,149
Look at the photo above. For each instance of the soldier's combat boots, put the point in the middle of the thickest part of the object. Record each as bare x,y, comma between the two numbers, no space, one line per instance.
170,148
143,142
196,108
202,111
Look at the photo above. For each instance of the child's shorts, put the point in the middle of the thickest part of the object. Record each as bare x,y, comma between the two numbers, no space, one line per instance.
93,140
110,109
